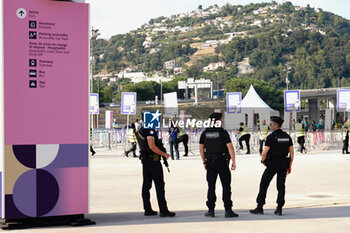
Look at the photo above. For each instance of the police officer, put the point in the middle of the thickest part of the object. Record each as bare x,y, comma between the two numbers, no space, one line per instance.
263,132
300,133
244,136
151,150
275,156
216,150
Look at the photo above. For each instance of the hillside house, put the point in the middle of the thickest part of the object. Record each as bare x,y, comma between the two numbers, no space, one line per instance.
244,67
214,66
172,64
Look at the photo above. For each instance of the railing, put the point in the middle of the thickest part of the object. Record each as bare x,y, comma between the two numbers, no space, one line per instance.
116,139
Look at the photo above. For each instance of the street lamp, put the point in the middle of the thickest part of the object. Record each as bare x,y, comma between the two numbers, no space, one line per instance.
94,34
93,37
287,70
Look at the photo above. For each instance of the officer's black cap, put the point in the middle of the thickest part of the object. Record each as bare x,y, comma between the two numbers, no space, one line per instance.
277,120
216,116
132,126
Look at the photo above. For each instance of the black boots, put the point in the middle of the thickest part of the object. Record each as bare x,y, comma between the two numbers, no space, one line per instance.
257,210
167,214
278,211
210,213
150,213
230,214
260,210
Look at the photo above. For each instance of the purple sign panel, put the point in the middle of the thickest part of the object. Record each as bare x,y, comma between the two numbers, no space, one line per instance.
46,69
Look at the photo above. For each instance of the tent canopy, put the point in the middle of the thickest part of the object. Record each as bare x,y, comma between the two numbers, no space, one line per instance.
253,101
251,104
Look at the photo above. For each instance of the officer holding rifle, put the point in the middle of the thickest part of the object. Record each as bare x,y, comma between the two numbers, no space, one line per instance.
151,152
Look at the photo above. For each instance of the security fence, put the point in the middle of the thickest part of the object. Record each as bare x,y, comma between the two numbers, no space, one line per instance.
116,139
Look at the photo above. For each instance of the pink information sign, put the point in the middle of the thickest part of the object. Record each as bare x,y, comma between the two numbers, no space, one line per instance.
46,81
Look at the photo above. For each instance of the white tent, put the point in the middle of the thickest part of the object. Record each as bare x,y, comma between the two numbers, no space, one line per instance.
251,104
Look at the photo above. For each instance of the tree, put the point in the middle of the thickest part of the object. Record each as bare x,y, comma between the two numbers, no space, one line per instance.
155,63
107,94
200,7
320,18
193,72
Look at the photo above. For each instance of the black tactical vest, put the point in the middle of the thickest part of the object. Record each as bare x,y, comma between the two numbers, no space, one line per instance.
141,137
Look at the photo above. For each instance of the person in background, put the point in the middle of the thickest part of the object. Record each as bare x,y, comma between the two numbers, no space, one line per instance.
345,133
132,140
244,136
300,133
183,137
137,125
263,132
115,124
93,152
305,124
173,143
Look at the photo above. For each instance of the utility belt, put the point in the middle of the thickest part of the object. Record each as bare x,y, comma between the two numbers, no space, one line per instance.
149,157
271,159
217,156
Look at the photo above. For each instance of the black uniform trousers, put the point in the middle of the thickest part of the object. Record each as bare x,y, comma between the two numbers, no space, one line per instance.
261,142
279,167
132,149
184,139
221,168
153,171
301,142
346,144
246,138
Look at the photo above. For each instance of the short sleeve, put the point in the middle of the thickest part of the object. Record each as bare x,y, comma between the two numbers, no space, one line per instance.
290,141
269,141
226,137
202,138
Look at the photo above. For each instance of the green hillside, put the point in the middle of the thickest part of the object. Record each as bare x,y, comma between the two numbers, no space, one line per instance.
255,41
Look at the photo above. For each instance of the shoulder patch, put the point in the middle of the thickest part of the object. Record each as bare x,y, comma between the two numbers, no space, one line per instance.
151,131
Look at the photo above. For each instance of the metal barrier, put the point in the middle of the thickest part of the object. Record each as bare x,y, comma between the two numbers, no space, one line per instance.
116,139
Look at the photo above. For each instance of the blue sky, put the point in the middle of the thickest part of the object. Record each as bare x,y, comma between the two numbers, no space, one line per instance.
113,17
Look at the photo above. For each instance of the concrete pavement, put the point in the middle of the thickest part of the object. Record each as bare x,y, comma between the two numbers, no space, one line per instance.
317,200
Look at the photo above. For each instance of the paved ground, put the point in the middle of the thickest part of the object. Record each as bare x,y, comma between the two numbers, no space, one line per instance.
317,200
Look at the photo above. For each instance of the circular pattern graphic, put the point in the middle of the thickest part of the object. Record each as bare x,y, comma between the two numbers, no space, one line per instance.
25,154
35,193
21,13
46,154
36,156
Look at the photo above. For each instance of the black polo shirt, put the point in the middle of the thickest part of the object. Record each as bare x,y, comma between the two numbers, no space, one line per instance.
279,143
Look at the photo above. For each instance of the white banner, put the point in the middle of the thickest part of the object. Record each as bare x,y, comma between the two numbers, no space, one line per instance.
109,119
170,104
